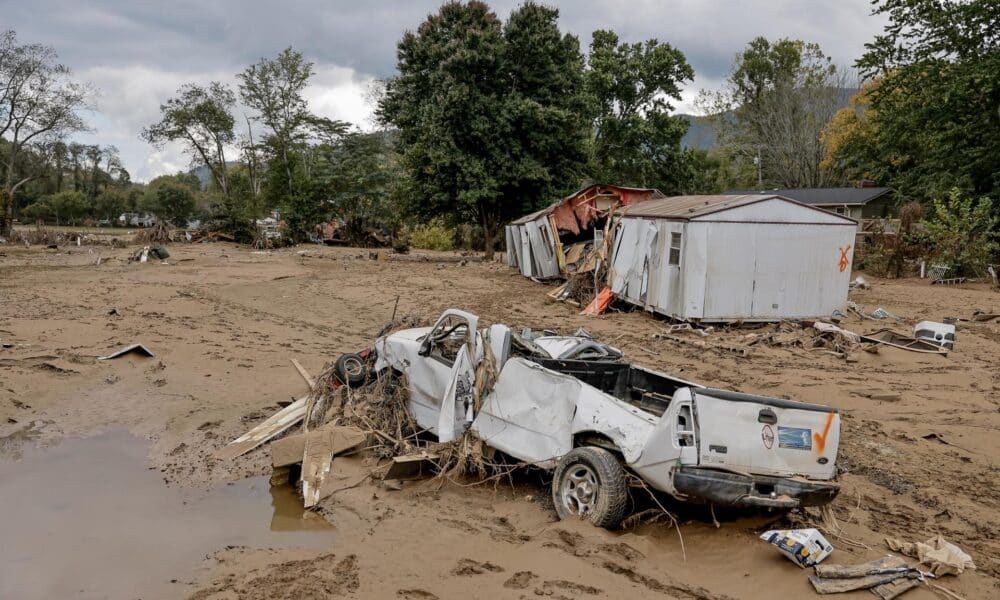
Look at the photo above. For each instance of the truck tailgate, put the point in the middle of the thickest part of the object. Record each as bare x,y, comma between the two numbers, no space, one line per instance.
766,436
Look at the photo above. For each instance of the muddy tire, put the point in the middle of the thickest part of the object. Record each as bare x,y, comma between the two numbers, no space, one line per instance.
589,483
351,369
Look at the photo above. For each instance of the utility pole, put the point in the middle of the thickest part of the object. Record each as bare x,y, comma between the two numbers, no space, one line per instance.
760,176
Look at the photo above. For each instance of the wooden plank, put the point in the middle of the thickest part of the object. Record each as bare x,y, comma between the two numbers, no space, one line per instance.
321,446
290,450
272,426
305,375
891,591
412,466
836,586
316,463
886,564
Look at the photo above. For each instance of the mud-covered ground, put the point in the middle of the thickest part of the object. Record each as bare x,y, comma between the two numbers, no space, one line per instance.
224,322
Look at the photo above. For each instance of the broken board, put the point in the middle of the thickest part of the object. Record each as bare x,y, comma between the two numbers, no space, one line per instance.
290,450
274,425
320,446
412,466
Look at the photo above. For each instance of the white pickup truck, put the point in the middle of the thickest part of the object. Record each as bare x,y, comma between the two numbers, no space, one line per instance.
574,405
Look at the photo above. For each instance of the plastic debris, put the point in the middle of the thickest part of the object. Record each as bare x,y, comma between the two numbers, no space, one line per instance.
941,334
804,547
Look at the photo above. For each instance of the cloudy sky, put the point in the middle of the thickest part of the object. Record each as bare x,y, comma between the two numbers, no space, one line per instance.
137,52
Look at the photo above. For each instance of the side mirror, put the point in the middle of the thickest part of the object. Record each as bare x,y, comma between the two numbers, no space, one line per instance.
425,347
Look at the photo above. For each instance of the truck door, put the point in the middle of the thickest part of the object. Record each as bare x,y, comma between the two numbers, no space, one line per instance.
437,375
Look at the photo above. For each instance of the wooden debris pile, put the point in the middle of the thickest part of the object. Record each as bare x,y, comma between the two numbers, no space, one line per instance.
160,233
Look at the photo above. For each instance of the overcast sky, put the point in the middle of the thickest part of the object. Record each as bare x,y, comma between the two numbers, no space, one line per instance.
137,52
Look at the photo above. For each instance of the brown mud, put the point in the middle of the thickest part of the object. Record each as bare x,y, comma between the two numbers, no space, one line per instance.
224,323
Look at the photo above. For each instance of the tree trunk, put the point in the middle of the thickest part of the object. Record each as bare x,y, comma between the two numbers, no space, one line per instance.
489,238
6,213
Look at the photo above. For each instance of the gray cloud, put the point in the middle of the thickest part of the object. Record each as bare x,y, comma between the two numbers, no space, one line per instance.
138,52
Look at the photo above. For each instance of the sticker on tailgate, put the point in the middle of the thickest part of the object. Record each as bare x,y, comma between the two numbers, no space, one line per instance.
796,438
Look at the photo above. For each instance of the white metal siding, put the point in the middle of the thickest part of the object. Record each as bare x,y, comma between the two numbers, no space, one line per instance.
729,270
769,271
765,261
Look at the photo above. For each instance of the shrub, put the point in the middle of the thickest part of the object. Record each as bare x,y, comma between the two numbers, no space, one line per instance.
433,235
963,230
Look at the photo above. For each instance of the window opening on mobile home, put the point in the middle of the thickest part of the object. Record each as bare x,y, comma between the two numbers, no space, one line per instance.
675,249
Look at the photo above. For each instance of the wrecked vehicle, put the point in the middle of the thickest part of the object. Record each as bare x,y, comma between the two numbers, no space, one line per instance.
575,406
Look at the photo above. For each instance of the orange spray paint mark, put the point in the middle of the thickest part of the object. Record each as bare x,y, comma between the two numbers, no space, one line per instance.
820,440
844,263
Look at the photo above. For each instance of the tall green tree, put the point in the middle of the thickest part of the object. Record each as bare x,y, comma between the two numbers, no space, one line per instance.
169,200
773,108
364,179
636,139
935,101
275,90
488,116
39,102
200,117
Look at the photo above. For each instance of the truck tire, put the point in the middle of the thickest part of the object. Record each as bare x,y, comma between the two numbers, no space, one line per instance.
589,483
351,369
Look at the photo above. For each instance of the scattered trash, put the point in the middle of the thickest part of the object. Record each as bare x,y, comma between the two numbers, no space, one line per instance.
600,303
881,313
860,283
833,329
943,557
940,334
895,339
137,348
981,316
804,547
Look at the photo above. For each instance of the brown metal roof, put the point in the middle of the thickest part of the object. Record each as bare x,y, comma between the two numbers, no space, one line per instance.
689,207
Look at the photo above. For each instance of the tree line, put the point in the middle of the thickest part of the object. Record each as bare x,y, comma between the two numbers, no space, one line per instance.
487,119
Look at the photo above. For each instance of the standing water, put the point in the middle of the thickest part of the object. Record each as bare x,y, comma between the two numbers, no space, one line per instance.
88,519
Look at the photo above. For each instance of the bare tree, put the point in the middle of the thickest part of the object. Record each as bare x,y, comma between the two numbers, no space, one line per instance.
38,102
773,108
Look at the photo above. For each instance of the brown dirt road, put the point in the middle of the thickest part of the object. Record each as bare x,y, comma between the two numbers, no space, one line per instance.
224,322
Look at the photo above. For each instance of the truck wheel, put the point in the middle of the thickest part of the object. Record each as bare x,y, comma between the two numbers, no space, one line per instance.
589,483
351,369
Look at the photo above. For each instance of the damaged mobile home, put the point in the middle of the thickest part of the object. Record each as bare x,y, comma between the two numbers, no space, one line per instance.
732,258
549,243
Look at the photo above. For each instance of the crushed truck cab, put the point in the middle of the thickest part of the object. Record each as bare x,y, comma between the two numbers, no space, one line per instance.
543,398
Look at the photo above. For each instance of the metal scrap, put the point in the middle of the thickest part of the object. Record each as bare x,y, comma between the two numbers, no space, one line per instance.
137,348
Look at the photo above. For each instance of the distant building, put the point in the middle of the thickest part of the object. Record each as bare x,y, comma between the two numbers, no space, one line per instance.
858,203
132,219
270,225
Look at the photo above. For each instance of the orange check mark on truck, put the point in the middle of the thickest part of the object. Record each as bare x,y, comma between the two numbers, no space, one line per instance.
820,440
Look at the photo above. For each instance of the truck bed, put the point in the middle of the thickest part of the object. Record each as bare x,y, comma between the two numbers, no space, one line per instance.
647,390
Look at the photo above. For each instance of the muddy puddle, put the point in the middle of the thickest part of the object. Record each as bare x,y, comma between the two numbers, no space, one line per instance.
87,518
